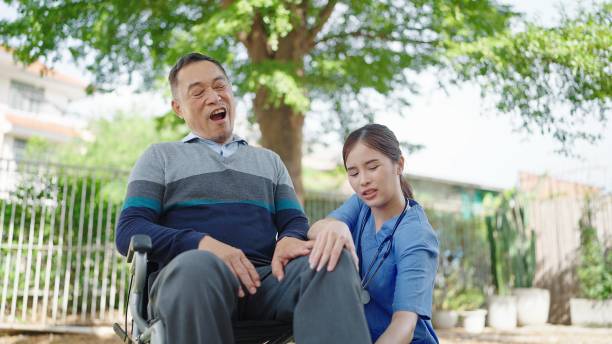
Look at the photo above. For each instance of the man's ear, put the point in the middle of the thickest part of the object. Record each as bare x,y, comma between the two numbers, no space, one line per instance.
177,108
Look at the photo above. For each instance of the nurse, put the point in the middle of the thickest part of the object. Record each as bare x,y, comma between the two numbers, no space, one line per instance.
388,234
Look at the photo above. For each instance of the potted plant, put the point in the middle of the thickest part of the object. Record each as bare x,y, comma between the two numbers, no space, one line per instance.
532,304
447,286
594,276
467,303
455,296
512,252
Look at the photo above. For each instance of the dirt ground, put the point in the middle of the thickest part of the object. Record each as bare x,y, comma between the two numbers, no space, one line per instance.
528,335
540,334
58,339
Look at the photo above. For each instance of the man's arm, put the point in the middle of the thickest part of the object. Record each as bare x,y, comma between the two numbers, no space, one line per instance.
290,221
167,242
142,210
170,242
289,216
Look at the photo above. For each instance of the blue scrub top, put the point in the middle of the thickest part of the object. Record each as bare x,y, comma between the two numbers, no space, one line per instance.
405,281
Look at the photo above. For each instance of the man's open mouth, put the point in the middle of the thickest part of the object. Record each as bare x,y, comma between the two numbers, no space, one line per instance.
218,114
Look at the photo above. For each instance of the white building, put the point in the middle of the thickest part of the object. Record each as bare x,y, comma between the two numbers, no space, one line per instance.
34,102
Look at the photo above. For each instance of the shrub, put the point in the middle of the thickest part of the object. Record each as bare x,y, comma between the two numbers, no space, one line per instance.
595,265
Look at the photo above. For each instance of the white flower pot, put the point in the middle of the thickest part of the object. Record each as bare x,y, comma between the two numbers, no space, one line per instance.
473,321
532,305
444,319
502,312
585,312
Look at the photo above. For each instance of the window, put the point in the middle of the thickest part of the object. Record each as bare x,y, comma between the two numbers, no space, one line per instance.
25,97
19,148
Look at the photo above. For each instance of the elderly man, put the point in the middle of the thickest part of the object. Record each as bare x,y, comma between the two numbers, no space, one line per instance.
229,236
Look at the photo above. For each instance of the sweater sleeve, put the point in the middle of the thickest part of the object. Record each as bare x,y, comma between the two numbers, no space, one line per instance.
143,208
289,217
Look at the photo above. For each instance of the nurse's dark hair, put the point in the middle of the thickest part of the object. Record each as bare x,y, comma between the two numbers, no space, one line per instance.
382,139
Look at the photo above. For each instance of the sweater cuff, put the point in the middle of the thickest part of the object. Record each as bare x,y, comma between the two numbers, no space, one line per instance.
189,241
293,233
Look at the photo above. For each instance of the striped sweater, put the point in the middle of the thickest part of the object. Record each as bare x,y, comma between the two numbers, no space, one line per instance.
179,192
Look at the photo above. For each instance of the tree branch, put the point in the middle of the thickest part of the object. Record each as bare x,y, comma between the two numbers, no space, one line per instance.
323,17
226,3
256,41
364,33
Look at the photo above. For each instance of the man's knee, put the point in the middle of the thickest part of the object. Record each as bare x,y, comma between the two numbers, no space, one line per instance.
195,286
345,264
300,263
197,267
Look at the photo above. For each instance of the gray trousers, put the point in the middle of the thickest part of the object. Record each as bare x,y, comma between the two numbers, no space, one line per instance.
196,298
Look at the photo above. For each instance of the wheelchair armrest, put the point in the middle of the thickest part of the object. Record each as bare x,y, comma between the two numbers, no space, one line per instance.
140,247
139,243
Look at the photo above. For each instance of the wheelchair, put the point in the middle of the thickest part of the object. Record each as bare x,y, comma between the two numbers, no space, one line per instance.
152,331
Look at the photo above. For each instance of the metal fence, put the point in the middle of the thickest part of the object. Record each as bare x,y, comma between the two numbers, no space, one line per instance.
58,263
466,238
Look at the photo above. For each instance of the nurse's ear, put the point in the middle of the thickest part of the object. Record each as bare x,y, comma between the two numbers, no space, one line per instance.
400,165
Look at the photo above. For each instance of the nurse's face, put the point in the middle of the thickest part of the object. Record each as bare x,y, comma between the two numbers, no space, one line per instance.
373,176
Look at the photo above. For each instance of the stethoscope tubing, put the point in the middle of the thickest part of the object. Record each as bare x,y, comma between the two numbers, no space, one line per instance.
365,279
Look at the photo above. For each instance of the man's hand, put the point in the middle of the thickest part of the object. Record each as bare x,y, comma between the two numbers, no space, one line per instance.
237,262
332,236
288,248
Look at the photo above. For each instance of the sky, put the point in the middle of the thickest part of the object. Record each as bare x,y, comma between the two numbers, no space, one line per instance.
465,140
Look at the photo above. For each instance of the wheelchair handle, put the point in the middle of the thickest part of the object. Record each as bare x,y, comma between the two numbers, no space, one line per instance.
139,243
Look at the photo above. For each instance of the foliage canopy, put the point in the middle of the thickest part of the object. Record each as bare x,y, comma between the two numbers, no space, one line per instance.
287,53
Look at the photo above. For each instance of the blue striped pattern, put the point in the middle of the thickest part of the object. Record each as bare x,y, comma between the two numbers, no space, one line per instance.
180,192
143,202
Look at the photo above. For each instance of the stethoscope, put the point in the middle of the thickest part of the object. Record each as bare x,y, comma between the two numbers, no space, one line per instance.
369,275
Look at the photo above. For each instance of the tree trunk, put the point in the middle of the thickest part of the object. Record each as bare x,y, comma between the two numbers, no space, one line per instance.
281,131
280,125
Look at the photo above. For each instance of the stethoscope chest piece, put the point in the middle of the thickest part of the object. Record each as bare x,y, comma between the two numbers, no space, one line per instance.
365,296
371,271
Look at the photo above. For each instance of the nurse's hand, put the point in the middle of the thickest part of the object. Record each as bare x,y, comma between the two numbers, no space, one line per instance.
331,237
